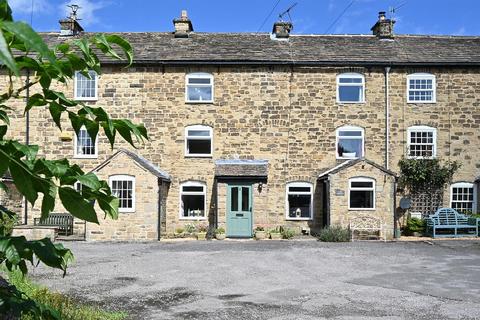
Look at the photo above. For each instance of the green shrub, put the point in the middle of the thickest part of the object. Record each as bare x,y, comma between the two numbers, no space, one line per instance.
179,230
287,233
334,234
190,228
220,231
8,220
414,225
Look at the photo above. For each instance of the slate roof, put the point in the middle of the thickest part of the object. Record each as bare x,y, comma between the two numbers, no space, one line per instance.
153,169
260,48
349,163
241,168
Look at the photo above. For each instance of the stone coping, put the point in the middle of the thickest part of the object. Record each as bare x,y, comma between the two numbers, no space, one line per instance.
28,227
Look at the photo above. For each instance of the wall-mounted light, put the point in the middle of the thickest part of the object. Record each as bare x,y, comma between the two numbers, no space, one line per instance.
260,187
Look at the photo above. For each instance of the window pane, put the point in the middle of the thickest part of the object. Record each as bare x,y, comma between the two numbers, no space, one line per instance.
199,93
299,189
350,148
85,145
199,146
198,133
245,199
234,199
361,199
86,87
192,188
350,93
123,190
199,80
462,199
362,184
299,205
350,80
193,205
350,133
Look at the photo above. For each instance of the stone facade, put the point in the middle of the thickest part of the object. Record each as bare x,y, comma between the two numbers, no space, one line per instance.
287,115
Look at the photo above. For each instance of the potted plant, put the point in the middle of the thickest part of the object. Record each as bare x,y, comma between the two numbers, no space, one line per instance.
260,233
179,232
415,227
190,229
275,234
202,232
220,233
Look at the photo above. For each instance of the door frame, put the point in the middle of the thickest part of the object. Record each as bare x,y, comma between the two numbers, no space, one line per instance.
231,185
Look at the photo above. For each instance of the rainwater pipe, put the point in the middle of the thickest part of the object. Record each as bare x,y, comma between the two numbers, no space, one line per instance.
387,118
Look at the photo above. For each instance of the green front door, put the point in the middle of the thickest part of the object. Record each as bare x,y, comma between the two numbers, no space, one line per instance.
239,210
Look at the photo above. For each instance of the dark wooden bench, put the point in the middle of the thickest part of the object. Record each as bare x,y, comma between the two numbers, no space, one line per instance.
449,219
64,222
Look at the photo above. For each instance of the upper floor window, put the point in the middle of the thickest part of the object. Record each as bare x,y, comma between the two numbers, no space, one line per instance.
198,141
123,187
193,200
199,87
84,145
463,196
421,88
350,88
86,88
361,194
422,142
350,142
299,200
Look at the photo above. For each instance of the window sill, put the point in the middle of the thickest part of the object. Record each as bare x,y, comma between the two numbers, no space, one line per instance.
198,156
421,158
85,157
199,102
298,219
361,209
192,218
351,102
85,99
421,102
338,158
126,210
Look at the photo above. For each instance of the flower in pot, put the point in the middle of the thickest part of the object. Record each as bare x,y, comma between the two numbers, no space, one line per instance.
220,233
202,232
275,234
260,233
179,233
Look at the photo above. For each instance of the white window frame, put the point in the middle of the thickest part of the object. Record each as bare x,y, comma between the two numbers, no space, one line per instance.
422,76
373,188
421,129
84,156
199,75
75,91
465,185
351,75
187,138
181,193
350,128
287,193
124,177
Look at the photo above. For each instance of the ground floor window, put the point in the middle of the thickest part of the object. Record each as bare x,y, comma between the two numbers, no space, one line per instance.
361,194
123,187
463,197
299,200
192,200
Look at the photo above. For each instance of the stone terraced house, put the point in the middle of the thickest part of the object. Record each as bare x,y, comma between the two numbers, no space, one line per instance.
251,129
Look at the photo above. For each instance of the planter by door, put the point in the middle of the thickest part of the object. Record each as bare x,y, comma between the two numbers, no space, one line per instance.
239,211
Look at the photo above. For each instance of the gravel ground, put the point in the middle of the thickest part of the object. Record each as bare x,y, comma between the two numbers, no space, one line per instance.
276,279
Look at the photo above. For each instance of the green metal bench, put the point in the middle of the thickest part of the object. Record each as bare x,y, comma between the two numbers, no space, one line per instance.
448,219
64,222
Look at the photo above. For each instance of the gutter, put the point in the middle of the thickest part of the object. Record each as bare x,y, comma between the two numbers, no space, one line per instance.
387,118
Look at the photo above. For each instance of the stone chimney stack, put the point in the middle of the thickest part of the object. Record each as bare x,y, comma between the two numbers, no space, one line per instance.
70,26
281,29
183,25
383,29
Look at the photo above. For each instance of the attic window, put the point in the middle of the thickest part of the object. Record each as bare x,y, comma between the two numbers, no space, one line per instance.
199,88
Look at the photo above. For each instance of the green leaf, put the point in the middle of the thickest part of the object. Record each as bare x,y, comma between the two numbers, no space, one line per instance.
90,180
30,151
48,202
5,11
104,45
34,101
122,43
56,113
4,117
6,56
23,180
109,205
77,205
92,129
3,131
109,130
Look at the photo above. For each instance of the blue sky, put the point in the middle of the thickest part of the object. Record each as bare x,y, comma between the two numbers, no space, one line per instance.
454,17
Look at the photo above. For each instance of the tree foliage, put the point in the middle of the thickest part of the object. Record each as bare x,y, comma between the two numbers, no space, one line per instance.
22,52
425,175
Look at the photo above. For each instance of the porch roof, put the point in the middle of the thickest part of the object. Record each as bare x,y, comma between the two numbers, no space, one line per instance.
147,165
241,168
349,163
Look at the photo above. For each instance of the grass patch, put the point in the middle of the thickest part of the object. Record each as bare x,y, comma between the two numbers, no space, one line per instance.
334,234
67,307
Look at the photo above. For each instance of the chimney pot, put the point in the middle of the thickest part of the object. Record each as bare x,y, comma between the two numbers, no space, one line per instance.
383,29
183,25
70,26
281,29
